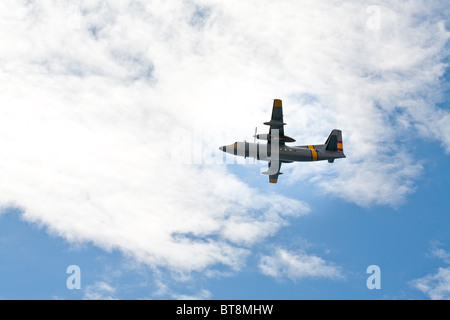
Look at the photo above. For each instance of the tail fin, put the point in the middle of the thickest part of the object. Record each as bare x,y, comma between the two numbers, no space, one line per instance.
334,141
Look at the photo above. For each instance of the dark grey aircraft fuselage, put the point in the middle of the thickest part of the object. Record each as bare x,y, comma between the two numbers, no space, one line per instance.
282,153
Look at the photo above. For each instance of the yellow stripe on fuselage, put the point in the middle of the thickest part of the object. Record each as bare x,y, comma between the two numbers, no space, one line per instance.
313,153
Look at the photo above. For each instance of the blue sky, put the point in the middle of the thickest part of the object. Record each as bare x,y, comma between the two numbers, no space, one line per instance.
111,115
399,241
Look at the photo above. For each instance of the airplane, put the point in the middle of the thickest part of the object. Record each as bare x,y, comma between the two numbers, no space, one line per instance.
277,152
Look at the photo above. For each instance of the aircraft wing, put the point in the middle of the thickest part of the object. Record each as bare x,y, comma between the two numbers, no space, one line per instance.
276,122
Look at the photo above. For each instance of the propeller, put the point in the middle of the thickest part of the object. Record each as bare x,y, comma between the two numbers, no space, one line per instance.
254,141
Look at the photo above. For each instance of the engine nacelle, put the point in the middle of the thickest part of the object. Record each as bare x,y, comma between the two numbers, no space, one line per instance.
264,136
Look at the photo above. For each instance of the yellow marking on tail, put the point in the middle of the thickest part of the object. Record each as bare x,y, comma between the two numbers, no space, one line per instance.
277,103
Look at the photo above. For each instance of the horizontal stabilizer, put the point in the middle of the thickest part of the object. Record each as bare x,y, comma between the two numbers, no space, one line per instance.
270,173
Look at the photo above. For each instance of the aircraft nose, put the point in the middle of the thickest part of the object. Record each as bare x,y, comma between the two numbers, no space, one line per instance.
223,148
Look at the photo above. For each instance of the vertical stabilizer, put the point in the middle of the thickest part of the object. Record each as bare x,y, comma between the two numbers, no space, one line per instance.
334,141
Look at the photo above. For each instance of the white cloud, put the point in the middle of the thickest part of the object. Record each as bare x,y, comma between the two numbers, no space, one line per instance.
436,286
100,290
377,96
386,180
440,253
294,266
87,140
202,295
94,95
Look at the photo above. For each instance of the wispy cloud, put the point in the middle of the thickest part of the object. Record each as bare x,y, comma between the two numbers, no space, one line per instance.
202,295
297,265
440,253
436,285
100,290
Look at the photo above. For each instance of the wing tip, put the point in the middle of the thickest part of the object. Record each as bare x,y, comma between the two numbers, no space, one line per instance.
277,103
